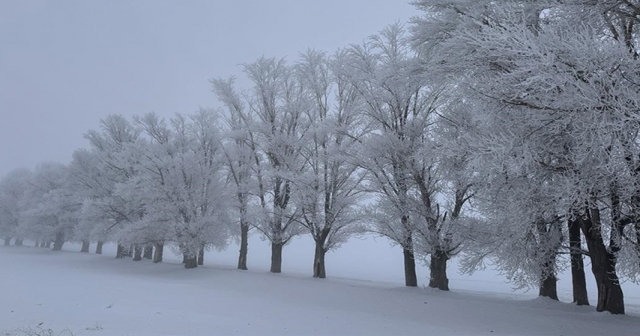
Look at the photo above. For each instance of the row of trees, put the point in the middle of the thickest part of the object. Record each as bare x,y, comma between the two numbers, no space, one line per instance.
498,131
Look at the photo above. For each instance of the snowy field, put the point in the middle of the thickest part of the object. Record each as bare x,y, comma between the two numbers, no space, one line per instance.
80,294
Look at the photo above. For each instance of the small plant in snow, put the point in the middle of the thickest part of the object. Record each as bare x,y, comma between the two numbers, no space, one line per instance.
36,331
95,327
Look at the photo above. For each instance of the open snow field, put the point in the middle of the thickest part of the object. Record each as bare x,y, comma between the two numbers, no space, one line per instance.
88,294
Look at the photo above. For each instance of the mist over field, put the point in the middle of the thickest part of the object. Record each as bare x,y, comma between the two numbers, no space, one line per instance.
98,295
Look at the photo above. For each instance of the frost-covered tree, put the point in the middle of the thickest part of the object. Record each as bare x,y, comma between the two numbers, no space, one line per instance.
444,187
277,105
240,157
12,197
401,153
556,105
180,185
381,71
329,188
50,209
90,182
114,168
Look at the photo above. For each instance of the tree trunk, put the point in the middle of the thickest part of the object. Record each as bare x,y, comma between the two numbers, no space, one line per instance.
148,252
43,243
244,246
276,257
85,246
130,251
121,252
57,245
410,277
190,261
137,256
157,254
48,244
99,247
37,243
7,241
579,282
18,242
550,233
637,227
438,270
319,270
610,297
548,287
201,256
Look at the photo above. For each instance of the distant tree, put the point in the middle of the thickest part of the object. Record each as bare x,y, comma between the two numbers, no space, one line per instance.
50,209
180,185
12,194
115,167
89,181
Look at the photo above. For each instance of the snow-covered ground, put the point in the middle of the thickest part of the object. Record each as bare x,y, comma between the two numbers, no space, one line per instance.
89,294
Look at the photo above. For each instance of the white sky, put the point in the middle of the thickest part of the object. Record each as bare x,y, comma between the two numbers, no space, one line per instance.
64,65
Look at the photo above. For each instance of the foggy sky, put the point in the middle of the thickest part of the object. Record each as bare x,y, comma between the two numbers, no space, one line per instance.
64,65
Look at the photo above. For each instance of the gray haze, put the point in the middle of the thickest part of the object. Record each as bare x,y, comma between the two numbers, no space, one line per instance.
64,65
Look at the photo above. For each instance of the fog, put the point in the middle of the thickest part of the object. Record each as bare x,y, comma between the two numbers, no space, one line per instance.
64,65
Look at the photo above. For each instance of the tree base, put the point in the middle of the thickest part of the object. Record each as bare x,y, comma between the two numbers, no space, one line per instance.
410,277
191,263
276,258
438,266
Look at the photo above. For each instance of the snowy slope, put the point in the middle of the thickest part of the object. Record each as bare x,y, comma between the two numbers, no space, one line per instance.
98,295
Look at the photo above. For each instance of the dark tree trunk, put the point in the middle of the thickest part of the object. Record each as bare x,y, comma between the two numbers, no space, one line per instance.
410,277
201,256
184,258
319,270
57,245
550,233
637,227
7,241
148,252
190,261
37,243
130,251
276,257
610,297
579,282
137,256
85,246
43,243
121,252
48,244
438,268
157,254
18,242
548,287
244,246
99,247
